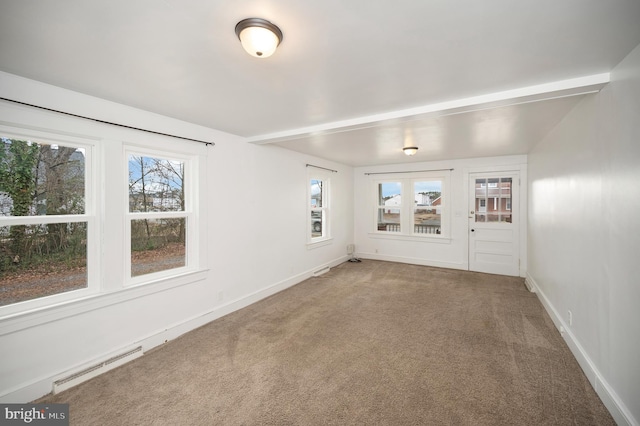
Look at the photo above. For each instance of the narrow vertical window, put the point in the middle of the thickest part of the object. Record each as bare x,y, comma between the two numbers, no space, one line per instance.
427,212
389,206
319,208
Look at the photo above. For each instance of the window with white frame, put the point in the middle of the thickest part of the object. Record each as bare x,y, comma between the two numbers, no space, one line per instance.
389,206
47,219
412,205
62,231
159,214
428,205
319,207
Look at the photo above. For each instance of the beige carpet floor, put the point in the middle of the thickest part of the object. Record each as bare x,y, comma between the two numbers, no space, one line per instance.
371,343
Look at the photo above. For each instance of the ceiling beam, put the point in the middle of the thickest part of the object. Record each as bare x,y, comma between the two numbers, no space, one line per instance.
540,92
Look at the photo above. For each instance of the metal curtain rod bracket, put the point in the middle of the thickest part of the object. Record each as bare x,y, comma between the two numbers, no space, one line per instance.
323,168
410,171
107,122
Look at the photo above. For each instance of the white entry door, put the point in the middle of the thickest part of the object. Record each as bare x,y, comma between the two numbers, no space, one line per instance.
494,223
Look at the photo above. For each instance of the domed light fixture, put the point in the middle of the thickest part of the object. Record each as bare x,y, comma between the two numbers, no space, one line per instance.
410,150
259,37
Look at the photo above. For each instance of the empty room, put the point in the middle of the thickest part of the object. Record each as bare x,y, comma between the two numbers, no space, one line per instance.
284,212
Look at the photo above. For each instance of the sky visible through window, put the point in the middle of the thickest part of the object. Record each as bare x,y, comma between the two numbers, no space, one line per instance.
390,189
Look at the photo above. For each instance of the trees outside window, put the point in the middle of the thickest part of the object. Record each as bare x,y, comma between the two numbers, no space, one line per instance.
158,214
44,224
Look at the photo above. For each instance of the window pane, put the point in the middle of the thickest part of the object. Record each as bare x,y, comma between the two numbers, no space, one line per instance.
155,184
505,200
316,224
42,260
481,200
40,179
428,202
316,193
427,220
389,219
157,245
389,194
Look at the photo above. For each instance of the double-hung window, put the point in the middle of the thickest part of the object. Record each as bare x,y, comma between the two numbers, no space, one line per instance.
48,228
318,210
66,236
412,205
389,206
159,217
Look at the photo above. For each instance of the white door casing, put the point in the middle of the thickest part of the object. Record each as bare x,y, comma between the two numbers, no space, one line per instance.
493,215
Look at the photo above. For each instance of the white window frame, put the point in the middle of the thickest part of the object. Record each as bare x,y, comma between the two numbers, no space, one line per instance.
439,208
379,206
325,210
191,236
407,209
89,216
106,197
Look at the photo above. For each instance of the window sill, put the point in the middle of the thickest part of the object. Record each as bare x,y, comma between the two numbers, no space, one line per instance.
38,316
321,243
418,238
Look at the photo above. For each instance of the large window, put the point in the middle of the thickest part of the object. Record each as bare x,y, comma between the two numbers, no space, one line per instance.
318,207
46,218
80,217
411,205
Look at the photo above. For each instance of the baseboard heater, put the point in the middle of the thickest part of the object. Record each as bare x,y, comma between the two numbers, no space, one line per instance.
96,370
321,271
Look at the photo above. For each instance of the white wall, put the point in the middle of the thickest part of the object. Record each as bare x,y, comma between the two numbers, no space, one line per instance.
452,253
253,232
584,235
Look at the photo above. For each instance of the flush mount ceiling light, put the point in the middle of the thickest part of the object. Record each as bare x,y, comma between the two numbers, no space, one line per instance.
259,37
410,150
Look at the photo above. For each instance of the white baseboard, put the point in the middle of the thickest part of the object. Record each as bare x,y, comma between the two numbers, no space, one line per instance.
43,386
413,261
609,398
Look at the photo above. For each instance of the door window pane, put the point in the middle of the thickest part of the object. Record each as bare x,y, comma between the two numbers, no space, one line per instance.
493,200
481,200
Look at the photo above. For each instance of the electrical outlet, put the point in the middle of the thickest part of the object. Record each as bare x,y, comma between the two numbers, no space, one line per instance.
570,317
376,250
220,296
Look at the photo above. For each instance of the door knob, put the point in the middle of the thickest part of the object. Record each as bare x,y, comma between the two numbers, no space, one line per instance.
473,230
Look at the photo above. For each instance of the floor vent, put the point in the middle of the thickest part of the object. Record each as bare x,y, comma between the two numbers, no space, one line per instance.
321,271
96,370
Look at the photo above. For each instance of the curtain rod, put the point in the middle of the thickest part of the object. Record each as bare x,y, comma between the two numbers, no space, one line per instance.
410,171
323,168
108,122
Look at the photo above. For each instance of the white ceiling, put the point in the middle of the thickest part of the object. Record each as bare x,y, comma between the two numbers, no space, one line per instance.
353,81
